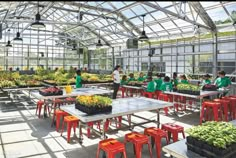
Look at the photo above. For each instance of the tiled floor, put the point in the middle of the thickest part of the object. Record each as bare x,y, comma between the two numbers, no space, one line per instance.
23,135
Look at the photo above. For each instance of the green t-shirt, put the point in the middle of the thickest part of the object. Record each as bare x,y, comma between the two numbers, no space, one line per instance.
184,81
141,79
78,82
131,79
223,82
206,82
151,87
166,86
123,82
158,82
175,82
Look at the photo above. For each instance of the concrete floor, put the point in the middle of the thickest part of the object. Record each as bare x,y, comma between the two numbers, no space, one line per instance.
24,135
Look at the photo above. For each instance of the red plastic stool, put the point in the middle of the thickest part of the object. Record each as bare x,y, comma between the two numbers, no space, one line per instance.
157,134
164,97
174,130
232,108
59,114
122,89
148,94
138,139
40,104
157,92
71,121
111,147
56,104
70,100
225,104
207,105
90,124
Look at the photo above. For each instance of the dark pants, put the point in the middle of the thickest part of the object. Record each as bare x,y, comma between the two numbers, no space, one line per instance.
116,88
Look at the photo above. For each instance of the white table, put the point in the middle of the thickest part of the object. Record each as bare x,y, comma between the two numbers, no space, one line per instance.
202,94
74,93
121,107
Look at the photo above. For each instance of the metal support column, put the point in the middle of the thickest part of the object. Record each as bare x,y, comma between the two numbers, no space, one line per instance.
193,59
149,58
113,57
89,59
215,52
47,59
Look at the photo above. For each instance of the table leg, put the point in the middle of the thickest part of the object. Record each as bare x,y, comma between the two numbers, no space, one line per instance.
158,118
80,133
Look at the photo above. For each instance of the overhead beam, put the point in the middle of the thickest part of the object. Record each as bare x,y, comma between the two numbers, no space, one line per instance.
203,14
175,15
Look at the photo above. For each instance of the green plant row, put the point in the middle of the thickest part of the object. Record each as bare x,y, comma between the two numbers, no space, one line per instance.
219,134
192,87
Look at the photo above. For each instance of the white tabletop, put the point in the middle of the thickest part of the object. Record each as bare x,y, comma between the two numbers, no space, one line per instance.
132,87
74,93
120,107
202,94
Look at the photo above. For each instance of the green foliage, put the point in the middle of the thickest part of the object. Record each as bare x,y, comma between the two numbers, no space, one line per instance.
218,134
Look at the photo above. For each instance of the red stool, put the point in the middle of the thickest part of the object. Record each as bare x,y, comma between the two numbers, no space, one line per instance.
148,94
59,114
164,97
138,140
70,100
111,147
232,108
90,124
157,134
40,104
174,130
157,92
207,105
71,121
225,104
122,89
56,103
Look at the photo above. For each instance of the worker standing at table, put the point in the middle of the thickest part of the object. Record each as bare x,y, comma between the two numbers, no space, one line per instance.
116,80
78,79
222,81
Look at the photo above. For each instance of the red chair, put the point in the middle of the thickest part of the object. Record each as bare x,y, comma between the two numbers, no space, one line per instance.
59,114
225,104
56,104
210,105
156,135
232,108
40,104
148,94
122,89
138,140
71,121
157,92
174,130
70,100
111,147
165,97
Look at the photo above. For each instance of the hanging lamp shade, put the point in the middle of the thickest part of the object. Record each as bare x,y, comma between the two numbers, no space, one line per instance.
18,38
37,23
8,44
99,44
143,36
234,22
74,47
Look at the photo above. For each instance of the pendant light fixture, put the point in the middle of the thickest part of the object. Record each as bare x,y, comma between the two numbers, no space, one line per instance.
143,36
37,23
8,42
18,38
99,44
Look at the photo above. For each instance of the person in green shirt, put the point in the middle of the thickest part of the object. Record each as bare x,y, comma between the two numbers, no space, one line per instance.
141,78
183,79
78,79
166,85
131,77
222,81
206,80
158,81
151,86
123,80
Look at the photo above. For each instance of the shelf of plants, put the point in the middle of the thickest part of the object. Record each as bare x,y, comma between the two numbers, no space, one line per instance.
213,140
93,104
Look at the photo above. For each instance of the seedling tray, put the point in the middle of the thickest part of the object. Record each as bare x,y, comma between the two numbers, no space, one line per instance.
94,109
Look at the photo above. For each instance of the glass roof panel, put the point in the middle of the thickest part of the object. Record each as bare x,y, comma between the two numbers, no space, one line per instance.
164,4
129,2
139,10
156,27
168,25
128,13
172,9
107,6
92,3
158,15
150,9
181,22
148,18
147,30
209,4
136,21
118,5
232,10
217,14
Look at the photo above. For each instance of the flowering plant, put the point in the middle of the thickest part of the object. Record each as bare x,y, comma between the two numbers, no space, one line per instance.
94,100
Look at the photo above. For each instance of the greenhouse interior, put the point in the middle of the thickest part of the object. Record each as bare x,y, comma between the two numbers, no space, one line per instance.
91,79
